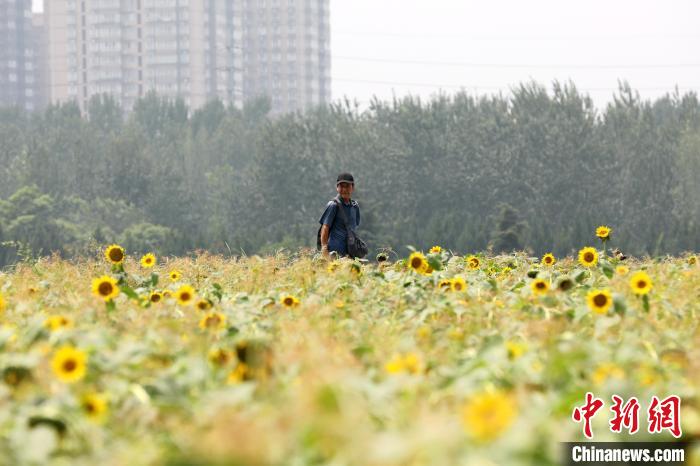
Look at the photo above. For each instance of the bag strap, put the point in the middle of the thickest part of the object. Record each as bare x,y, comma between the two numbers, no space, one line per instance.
341,209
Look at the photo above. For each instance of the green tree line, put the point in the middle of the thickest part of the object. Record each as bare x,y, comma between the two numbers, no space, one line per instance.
538,169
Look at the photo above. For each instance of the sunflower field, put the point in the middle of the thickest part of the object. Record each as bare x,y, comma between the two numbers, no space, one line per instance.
439,357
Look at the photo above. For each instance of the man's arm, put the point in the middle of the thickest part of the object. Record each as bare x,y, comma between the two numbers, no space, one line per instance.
325,233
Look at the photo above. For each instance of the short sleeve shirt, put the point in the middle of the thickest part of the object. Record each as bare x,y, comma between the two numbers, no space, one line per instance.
337,240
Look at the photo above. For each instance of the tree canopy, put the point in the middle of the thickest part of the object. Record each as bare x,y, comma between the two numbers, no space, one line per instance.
538,169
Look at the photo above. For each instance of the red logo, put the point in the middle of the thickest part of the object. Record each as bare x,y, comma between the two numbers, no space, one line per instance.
626,416
586,412
665,414
661,415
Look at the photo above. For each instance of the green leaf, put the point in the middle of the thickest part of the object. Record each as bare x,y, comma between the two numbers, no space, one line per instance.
580,276
619,305
608,270
361,350
327,400
58,425
434,262
549,301
129,292
218,292
645,303
110,305
154,279
518,285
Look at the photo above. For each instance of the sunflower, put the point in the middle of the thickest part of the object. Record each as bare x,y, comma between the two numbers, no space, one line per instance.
409,362
647,375
105,287
155,297
603,232
487,415
640,283
458,284
239,374
175,275
456,334
219,356
565,284
445,284
14,376
548,259
412,363
115,254
588,257
69,364
515,349
148,261
599,301
203,304
394,365
2,303
339,304
606,371
185,295
213,321
290,301
418,263
423,332
473,262
435,250
54,323
692,260
539,286
95,406
622,270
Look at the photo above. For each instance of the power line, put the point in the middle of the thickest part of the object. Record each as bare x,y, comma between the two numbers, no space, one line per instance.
505,87
507,65
394,83
516,37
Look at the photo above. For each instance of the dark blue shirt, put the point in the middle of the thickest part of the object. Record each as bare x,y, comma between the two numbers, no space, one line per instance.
337,240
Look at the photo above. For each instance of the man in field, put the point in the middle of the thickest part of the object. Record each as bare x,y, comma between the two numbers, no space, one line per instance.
333,232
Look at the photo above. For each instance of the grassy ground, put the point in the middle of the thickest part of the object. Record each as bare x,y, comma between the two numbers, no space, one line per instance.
378,364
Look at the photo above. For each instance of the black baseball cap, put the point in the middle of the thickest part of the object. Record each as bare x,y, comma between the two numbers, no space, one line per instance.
345,178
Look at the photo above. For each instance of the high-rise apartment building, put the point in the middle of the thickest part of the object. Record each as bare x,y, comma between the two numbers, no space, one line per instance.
41,62
197,50
17,56
286,52
177,48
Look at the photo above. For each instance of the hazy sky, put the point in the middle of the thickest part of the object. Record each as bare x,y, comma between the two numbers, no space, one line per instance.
396,47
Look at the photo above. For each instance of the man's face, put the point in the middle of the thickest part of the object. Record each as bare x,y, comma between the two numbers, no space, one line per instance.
345,189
